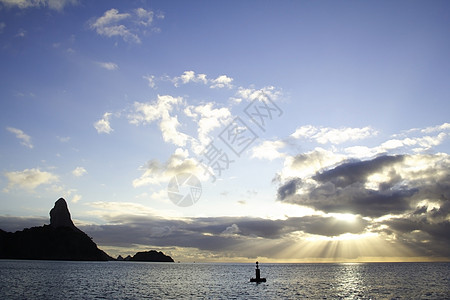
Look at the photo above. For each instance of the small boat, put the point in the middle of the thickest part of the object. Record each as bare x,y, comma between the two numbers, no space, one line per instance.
258,276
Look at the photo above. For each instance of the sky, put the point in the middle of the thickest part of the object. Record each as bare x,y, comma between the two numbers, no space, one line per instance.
283,131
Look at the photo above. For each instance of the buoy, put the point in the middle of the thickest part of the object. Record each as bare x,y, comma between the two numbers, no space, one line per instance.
258,275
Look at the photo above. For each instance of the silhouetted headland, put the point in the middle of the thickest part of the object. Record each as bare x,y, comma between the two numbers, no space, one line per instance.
61,240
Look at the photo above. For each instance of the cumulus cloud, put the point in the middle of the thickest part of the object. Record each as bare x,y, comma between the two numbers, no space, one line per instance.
155,172
108,25
268,150
419,144
128,25
145,17
445,127
324,135
415,140
208,118
79,171
24,138
160,110
52,4
108,65
221,82
251,94
29,179
103,125
190,76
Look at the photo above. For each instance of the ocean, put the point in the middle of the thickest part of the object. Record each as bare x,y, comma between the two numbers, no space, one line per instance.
141,280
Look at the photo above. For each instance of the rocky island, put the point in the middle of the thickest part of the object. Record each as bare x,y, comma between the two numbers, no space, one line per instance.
151,256
61,240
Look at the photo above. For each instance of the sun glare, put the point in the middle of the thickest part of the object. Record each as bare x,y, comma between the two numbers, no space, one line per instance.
344,217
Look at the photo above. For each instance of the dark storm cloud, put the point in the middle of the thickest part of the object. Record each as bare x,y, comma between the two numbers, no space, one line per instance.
424,230
343,189
415,188
289,188
358,171
355,198
212,234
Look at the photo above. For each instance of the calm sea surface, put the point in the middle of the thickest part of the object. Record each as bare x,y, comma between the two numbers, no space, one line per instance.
134,280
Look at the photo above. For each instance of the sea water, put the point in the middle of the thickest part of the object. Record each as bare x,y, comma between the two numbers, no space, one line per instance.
140,280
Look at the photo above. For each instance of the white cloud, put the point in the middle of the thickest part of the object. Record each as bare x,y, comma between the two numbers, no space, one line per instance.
108,65
103,125
52,4
151,80
145,17
149,112
422,143
189,76
221,82
438,128
324,135
128,26
268,150
160,111
79,171
29,178
442,127
263,94
107,25
169,129
2,26
416,144
208,119
25,139
156,172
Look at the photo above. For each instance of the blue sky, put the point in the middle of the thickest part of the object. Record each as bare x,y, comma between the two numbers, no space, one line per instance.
103,102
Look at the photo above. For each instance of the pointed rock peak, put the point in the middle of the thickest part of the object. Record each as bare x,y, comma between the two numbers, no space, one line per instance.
60,215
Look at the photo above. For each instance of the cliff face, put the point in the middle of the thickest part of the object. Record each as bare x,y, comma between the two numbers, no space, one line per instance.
61,240
60,215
